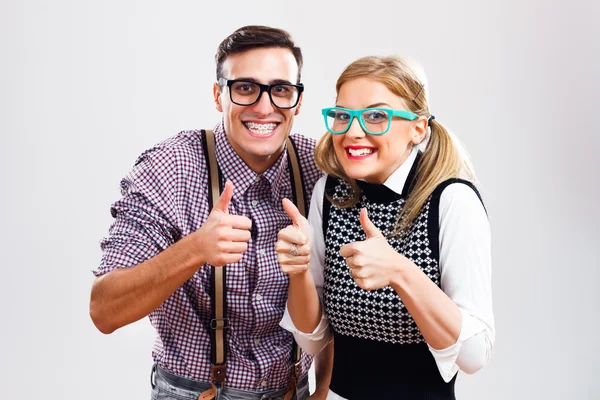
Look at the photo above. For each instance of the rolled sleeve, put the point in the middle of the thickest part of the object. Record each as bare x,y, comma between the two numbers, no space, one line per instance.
470,353
312,342
142,227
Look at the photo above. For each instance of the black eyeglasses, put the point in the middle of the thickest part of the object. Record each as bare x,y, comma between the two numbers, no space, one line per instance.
247,93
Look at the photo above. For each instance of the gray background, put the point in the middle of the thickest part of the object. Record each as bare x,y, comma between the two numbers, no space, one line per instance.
86,86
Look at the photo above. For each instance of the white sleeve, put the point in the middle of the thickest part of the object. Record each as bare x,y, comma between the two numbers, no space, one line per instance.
466,269
313,342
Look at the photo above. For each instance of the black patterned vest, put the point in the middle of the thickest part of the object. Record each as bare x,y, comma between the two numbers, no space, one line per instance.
379,352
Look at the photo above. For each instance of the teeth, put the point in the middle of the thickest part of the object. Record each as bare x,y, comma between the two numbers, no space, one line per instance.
260,129
360,152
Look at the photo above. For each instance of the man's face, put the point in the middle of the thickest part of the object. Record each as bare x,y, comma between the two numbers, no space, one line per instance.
258,132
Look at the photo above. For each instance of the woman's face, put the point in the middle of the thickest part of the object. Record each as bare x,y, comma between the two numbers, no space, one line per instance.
368,157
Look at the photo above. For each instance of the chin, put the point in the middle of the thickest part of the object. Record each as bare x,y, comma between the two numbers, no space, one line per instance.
356,173
267,148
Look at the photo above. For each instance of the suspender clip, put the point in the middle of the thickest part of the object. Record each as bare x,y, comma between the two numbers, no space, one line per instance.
219,323
218,374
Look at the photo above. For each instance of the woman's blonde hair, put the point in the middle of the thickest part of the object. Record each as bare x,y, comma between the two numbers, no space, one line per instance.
443,157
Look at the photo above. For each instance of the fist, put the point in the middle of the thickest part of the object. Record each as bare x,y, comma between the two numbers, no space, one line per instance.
224,237
293,242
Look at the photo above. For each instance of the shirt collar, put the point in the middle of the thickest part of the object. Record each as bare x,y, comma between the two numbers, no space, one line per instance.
397,180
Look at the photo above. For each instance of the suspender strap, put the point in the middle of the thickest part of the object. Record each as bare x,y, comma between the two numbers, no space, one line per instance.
214,173
300,201
298,191
218,322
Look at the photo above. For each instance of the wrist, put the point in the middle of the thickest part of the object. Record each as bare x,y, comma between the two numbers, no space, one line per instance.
301,278
189,248
321,390
402,268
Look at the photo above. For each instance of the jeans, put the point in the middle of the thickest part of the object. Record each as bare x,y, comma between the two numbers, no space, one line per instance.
166,386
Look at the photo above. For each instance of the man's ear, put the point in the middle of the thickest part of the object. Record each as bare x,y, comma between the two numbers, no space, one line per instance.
217,95
299,106
419,130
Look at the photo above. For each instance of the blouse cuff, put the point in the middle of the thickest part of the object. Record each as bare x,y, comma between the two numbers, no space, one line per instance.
312,342
446,358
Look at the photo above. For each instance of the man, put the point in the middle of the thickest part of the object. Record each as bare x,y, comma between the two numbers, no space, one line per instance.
156,260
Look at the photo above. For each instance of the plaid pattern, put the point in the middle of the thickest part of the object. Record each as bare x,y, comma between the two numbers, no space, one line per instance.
165,198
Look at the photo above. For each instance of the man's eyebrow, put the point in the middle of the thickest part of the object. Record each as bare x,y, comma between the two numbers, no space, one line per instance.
247,79
280,82
272,82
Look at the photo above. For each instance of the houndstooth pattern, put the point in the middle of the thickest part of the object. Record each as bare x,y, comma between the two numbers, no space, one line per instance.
379,314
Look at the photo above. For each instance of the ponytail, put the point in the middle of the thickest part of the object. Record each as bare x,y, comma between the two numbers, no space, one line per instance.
442,159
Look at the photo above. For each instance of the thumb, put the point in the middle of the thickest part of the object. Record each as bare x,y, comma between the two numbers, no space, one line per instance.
370,229
297,219
222,203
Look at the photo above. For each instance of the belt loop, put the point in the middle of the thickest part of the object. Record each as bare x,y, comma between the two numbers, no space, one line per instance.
218,395
152,374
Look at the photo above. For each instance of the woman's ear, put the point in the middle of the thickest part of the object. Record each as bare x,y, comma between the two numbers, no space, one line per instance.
419,130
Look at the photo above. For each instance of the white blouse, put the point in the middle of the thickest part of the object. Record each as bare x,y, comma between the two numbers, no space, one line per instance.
465,267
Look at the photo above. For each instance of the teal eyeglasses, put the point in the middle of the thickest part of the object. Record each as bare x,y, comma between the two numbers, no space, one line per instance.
374,121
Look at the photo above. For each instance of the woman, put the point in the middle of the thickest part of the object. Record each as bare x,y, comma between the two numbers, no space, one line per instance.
397,268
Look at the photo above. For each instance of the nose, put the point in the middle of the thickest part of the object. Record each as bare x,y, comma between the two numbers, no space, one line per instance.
355,131
263,107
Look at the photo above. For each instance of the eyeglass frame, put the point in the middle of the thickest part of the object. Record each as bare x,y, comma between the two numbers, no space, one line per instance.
263,88
407,115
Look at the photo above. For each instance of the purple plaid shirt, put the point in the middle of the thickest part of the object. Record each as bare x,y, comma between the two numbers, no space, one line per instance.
165,198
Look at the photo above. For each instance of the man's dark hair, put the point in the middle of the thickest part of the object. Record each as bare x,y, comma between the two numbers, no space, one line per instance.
254,37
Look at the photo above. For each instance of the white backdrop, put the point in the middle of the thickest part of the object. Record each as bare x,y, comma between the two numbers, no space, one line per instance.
86,86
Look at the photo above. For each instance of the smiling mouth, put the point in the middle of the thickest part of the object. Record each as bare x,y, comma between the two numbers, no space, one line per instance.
261,129
361,152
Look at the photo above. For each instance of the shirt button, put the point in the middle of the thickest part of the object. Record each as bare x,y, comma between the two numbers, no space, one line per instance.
258,297
257,178
254,203
263,383
261,252
256,341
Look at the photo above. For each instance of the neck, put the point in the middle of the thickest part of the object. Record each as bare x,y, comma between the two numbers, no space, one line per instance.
260,164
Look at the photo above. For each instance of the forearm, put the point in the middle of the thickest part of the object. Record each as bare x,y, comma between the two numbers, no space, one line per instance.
126,295
303,302
323,368
437,316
